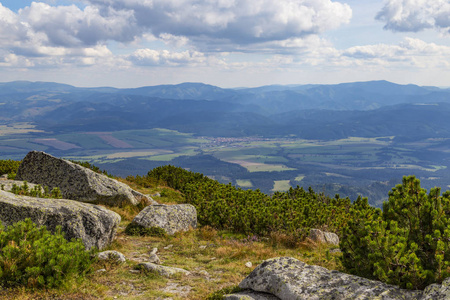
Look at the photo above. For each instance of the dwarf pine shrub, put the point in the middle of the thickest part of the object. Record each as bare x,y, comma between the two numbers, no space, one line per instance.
31,256
9,167
407,244
138,230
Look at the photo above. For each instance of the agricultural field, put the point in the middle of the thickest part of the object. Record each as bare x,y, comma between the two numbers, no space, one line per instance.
254,162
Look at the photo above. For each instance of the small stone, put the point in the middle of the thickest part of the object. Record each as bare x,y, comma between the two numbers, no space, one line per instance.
100,271
168,247
337,250
202,247
249,264
154,250
153,258
112,255
135,271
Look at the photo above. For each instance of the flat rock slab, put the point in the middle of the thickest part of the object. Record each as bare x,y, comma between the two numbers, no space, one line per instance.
170,218
250,295
7,184
163,270
289,279
76,182
94,225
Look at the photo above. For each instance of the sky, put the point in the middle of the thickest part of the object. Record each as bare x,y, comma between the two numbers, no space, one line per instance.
227,43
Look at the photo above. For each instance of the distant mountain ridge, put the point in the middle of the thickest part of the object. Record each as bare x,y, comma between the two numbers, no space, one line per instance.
375,108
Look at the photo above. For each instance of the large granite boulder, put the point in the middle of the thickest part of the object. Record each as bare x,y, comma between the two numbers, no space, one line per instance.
170,218
94,224
288,279
76,182
250,295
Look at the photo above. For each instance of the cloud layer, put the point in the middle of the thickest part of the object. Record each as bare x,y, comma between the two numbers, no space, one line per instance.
139,36
219,24
416,15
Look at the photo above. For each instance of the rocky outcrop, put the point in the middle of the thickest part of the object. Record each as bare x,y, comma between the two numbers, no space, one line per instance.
288,278
75,181
93,224
324,237
170,218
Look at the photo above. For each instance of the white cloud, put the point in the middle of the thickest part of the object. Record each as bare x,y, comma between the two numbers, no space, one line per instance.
11,29
409,53
150,57
416,15
69,26
221,25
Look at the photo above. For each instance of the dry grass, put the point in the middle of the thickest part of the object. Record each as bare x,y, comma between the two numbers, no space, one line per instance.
216,260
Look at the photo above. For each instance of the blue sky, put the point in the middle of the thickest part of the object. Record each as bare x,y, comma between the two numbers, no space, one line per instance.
229,43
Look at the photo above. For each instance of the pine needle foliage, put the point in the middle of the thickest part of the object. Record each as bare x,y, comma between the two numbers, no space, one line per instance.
224,206
9,167
31,256
407,244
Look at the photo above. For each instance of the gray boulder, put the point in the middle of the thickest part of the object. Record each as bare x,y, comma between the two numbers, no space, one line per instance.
170,218
94,225
250,295
437,291
75,181
324,237
289,279
162,270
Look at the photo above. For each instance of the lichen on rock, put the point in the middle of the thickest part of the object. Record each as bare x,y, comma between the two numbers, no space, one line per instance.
96,226
324,237
162,270
288,278
170,218
77,182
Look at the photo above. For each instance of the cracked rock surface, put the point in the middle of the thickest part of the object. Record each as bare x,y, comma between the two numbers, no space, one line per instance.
76,182
96,226
288,279
170,218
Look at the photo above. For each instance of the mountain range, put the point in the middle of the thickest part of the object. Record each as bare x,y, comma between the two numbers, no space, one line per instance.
348,138
377,108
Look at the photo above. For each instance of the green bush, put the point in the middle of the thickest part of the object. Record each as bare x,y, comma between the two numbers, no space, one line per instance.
138,230
407,244
224,206
9,167
36,191
32,256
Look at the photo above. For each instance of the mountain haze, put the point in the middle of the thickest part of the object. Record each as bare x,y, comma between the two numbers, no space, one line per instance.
343,138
